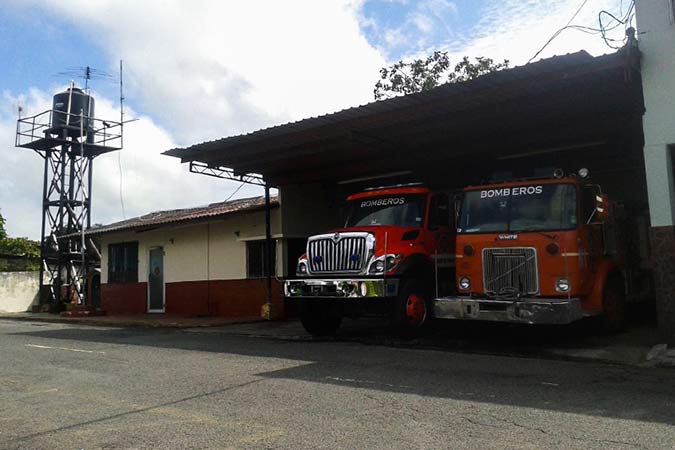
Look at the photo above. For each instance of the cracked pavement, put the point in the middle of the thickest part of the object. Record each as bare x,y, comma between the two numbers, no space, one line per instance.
66,386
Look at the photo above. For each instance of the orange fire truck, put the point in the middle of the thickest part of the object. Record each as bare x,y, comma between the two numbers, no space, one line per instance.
536,251
396,243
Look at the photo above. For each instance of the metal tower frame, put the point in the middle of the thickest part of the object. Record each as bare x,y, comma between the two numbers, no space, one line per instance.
68,153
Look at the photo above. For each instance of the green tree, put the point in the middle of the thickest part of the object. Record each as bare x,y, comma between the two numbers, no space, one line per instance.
3,233
20,246
427,73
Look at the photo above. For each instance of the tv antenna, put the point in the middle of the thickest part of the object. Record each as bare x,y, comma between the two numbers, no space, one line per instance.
86,73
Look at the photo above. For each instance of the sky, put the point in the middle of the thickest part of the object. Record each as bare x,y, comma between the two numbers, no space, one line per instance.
200,70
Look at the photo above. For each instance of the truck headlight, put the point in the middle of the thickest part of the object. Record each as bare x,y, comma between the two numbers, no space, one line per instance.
464,283
378,265
562,285
301,270
392,261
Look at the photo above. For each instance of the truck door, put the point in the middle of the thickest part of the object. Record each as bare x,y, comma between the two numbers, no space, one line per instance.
440,243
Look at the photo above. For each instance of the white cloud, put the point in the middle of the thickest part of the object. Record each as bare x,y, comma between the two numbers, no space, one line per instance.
208,69
150,181
22,170
507,29
424,24
196,71
517,29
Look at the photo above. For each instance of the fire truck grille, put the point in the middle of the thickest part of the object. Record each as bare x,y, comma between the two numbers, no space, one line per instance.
510,271
347,254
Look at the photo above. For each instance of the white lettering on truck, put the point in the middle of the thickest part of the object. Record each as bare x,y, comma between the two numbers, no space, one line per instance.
383,202
507,192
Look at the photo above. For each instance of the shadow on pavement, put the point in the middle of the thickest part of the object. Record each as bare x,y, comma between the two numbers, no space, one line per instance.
630,393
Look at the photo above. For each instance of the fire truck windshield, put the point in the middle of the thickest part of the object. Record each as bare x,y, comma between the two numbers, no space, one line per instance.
405,210
536,207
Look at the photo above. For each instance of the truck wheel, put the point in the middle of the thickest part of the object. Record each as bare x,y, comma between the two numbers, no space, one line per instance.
411,309
319,317
614,305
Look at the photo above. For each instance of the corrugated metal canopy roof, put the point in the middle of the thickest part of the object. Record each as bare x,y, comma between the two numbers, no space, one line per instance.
526,107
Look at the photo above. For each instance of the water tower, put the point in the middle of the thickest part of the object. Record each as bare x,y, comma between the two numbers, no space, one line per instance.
68,137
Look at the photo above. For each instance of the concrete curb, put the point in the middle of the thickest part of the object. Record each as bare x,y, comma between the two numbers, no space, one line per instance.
661,356
97,322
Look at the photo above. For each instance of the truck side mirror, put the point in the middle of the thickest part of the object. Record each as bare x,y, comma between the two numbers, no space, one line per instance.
457,203
601,207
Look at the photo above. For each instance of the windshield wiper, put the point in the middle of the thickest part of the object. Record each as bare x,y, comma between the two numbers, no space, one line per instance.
552,237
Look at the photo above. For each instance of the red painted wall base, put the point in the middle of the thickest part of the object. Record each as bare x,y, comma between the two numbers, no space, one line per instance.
226,298
124,298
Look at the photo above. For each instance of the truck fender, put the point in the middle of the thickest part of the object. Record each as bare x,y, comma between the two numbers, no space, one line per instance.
416,265
607,269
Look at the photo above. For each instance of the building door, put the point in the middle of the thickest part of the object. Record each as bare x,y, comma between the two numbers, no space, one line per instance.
156,280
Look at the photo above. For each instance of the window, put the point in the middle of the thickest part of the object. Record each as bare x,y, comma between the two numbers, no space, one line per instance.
439,212
547,207
588,204
405,210
123,262
256,257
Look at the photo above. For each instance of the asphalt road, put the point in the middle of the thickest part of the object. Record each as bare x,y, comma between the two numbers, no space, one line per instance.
78,387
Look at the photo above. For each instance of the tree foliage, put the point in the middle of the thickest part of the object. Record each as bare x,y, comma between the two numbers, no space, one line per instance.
427,73
3,233
28,250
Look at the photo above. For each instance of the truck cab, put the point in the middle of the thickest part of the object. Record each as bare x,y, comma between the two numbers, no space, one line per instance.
395,243
535,251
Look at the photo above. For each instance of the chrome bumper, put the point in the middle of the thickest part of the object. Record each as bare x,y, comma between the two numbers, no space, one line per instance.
523,310
341,288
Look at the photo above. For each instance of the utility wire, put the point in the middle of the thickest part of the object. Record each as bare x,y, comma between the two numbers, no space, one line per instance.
555,35
625,20
119,164
235,191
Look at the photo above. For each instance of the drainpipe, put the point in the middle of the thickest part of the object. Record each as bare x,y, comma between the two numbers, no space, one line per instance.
268,308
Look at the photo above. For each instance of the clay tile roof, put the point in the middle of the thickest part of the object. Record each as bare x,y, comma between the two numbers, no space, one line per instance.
160,218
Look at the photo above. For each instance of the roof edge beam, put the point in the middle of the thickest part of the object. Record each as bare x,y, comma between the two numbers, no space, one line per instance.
226,173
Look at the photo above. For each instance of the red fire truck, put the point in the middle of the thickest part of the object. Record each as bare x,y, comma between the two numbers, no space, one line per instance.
537,251
396,243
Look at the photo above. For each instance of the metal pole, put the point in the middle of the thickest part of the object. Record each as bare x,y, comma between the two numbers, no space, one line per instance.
62,278
268,243
83,195
121,107
90,170
45,211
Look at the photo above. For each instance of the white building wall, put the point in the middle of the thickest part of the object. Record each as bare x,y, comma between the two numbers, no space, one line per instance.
18,291
194,252
656,25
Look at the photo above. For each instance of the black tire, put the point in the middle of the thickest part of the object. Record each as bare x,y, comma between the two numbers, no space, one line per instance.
320,317
411,310
614,305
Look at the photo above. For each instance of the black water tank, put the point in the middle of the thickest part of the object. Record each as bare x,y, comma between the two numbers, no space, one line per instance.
79,102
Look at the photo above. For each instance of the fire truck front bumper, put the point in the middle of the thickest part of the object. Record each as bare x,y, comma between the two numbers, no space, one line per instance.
341,288
522,310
